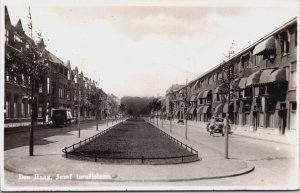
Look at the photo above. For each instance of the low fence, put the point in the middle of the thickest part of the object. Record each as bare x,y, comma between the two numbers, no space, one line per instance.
183,145
74,146
70,152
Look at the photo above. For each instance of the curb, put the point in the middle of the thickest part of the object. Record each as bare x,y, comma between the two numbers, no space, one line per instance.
250,167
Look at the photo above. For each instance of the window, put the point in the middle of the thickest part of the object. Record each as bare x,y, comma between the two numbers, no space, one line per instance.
294,106
209,80
40,88
6,35
17,39
246,108
293,77
246,61
7,109
69,75
284,42
258,59
15,106
7,77
23,110
61,70
48,85
68,95
29,109
76,79
40,110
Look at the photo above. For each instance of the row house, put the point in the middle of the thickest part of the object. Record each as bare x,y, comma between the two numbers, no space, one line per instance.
59,87
263,86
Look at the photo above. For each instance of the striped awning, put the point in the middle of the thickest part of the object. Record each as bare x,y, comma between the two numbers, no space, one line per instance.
203,94
226,109
199,109
206,109
219,109
192,110
264,77
220,89
193,98
267,45
253,79
278,76
242,83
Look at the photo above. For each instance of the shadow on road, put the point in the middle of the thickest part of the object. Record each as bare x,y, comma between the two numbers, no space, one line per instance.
18,137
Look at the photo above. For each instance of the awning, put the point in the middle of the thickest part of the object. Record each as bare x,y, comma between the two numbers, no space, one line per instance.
217,90
267,45
242,83
200,95
192,110
253,79
203,94
278,75
193,98
188,109
226,109
264,77
199,110
206,109
219,109
220,89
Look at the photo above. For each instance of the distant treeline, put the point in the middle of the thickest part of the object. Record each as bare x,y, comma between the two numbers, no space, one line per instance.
136,105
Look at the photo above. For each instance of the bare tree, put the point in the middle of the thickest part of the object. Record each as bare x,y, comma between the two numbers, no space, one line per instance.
28,67
228,88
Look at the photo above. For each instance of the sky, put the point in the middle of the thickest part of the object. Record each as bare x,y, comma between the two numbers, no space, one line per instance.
141,49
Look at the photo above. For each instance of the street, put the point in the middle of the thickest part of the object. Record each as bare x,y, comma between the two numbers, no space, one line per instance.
274,162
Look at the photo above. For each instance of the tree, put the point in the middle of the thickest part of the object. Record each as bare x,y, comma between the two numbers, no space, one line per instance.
122,108
155,105
27,67
228,88
97,97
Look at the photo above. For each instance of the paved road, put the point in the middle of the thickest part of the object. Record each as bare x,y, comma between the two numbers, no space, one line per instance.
275,162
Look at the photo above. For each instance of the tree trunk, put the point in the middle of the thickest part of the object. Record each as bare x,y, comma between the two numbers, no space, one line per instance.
97,117
31,138
186,127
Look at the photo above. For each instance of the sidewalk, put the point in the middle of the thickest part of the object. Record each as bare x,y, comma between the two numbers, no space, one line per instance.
289,138
49,161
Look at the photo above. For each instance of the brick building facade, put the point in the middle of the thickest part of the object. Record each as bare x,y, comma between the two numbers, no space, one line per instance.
59,87
265,75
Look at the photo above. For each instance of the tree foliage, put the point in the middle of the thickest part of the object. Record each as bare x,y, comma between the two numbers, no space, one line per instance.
136,105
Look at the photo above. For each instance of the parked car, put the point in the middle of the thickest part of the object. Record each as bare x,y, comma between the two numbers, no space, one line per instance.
61,117
216,125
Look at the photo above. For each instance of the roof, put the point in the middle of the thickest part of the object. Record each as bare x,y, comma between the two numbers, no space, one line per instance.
291,22
7,18
54,59
19,26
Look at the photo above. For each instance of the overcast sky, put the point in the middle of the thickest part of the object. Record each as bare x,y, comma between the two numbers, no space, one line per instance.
143,50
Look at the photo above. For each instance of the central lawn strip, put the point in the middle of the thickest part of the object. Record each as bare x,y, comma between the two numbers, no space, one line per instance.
133,139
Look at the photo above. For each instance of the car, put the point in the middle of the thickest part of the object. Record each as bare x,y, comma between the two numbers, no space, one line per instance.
216,125
61,117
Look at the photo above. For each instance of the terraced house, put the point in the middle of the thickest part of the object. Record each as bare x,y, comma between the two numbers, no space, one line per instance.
59,87
266,84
